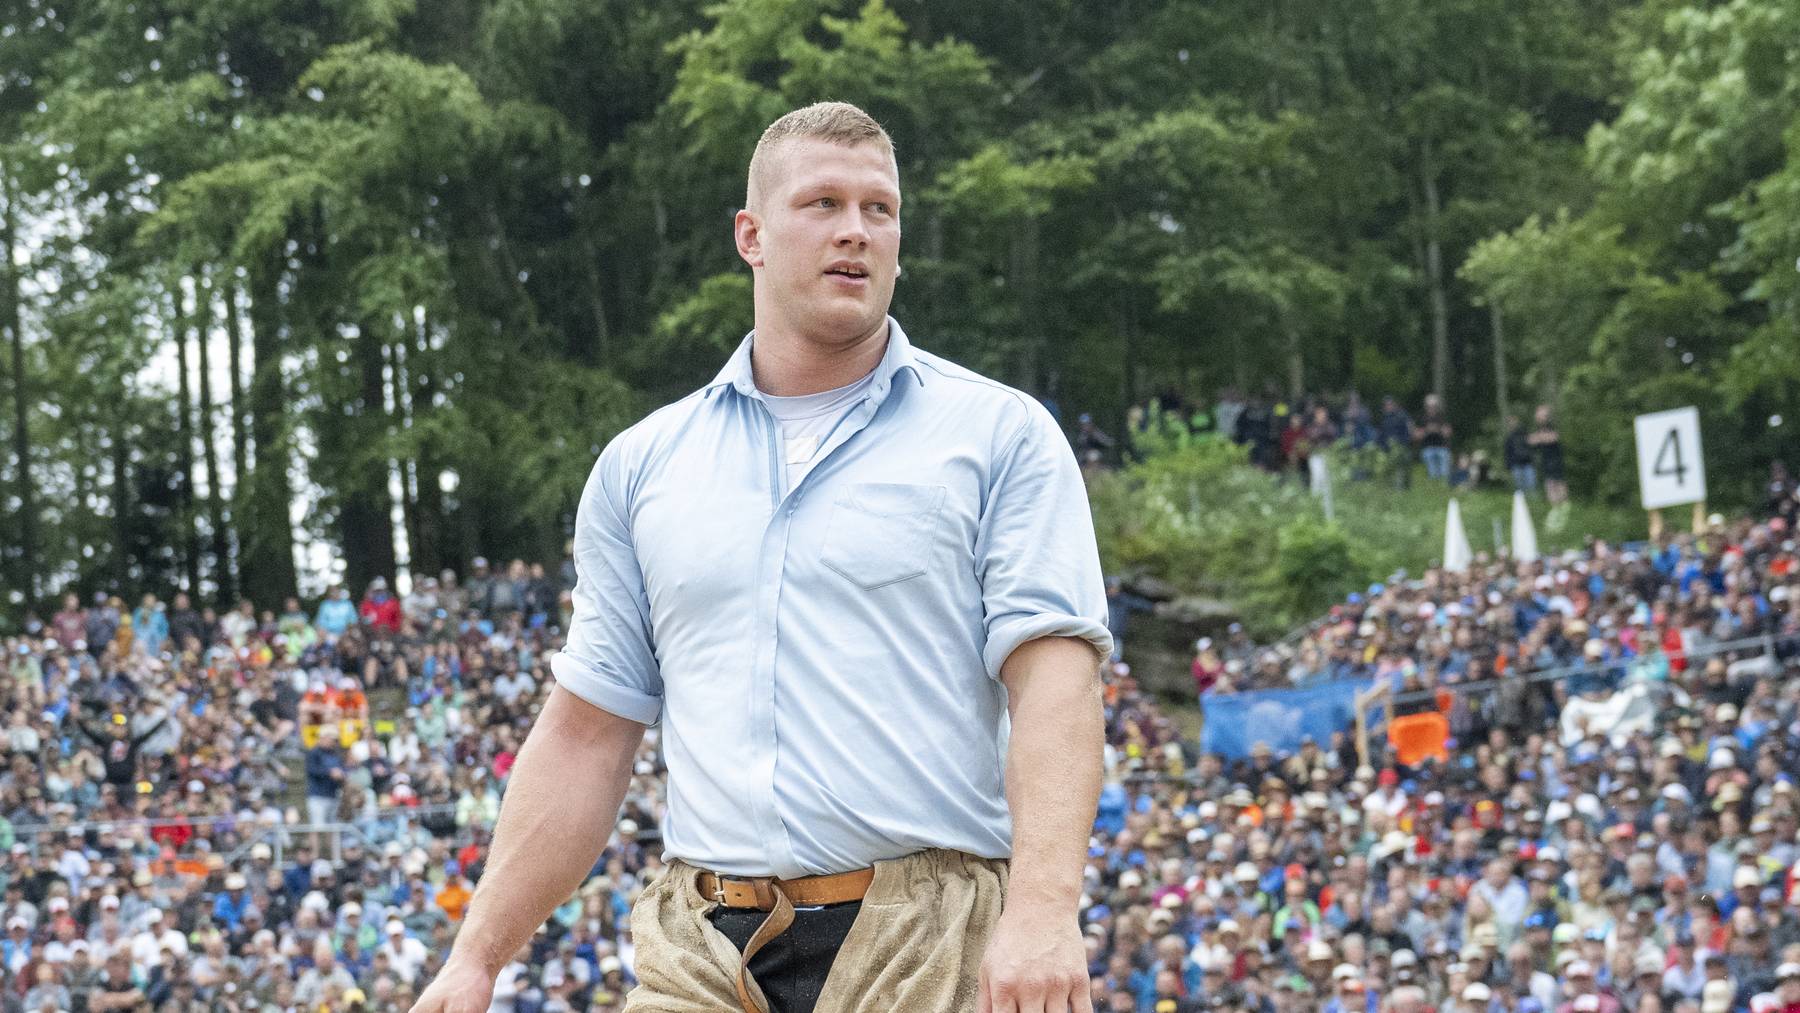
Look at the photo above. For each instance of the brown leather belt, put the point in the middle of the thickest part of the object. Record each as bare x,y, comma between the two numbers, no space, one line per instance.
778,897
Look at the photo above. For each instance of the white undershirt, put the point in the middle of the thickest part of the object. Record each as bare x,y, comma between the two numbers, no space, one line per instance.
806,421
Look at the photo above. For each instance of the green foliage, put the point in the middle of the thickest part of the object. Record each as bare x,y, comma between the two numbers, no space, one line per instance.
461,238
1191,511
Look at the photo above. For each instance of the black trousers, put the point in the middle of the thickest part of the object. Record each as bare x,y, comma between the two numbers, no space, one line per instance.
791,968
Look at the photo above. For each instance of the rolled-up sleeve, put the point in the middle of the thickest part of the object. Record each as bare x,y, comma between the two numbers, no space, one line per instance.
1035,552
609,659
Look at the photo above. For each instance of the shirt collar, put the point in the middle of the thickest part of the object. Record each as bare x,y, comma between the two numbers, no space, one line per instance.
899,355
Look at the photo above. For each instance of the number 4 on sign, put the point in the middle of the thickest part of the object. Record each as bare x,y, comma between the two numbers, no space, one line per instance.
1668,458
1671,467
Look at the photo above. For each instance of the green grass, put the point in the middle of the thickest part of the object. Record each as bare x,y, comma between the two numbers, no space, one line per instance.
1395,529
1194,514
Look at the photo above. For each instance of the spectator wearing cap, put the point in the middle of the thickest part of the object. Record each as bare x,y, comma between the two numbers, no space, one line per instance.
1685,975
1475,997
352,926
407,955
1349,993
325,979
229,903
147,943
1505,896
1750,957
1297,910
1787,987
1581,992
1523,977
1718,996
379,610
117,986
1645,980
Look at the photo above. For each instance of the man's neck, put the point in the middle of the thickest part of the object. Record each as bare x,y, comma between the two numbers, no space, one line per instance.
786,365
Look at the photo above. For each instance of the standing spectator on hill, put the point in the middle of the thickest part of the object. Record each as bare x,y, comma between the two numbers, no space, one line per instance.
184,624
1395,433
1359,429
1780,498
237,625
1253,429
379,609
1516,452
119,748
1225,416
540,596
421,602
452,599
69,626
324,780
295,629
506,594
1548,443
1434,439
102,624
478,589
336,613
1093,445
151,625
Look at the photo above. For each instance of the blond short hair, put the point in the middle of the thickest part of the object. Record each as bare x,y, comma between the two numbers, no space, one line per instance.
836,122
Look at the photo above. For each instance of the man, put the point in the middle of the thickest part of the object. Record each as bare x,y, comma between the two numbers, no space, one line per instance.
834,574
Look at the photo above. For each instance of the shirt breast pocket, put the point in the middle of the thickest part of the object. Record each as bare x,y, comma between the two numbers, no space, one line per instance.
880,532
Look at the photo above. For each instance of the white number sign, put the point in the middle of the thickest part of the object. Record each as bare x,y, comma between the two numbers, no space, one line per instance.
1671,470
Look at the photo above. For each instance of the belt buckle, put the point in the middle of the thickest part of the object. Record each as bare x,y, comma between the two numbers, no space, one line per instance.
719,889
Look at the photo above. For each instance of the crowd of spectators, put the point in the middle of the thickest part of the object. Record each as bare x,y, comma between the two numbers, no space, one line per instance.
1555,863
286,811
1281,435
289,811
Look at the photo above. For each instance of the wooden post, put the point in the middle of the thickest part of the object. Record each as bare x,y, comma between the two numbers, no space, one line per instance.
1700,518
1361,703
1656,525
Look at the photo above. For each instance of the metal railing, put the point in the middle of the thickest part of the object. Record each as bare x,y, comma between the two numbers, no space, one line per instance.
368,830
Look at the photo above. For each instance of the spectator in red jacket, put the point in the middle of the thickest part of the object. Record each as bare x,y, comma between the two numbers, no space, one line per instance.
380,609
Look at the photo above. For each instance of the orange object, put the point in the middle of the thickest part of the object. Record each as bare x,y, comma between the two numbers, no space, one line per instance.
453,898
1417,736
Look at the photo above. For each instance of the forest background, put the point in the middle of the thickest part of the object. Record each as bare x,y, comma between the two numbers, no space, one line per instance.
373,281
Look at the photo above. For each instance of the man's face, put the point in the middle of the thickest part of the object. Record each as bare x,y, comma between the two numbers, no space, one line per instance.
825,239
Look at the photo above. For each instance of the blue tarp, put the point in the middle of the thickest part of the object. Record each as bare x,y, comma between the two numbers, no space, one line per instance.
1279,717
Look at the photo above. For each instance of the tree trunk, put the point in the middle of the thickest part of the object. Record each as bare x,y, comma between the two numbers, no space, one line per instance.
435,543
267,531
1501,401
1434,273
184,435
365,526
224,585
12,321
399,384
1296,364
121,494
600,353
240,440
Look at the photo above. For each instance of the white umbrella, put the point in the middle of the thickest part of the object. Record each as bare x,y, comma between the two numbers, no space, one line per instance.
1524,536
1456,541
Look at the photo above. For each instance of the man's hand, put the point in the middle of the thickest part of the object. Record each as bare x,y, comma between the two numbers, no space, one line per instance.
460,987
1035,963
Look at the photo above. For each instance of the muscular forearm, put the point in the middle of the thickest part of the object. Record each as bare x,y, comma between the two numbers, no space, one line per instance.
1052,768
558,812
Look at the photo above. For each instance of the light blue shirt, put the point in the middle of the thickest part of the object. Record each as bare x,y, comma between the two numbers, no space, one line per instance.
826,664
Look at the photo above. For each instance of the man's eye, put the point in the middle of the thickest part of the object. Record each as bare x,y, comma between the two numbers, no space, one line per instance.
880,208
826,202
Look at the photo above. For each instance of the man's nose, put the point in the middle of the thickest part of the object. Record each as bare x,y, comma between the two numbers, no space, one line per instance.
851,229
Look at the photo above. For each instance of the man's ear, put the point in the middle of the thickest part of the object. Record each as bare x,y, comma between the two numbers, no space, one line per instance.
748,230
